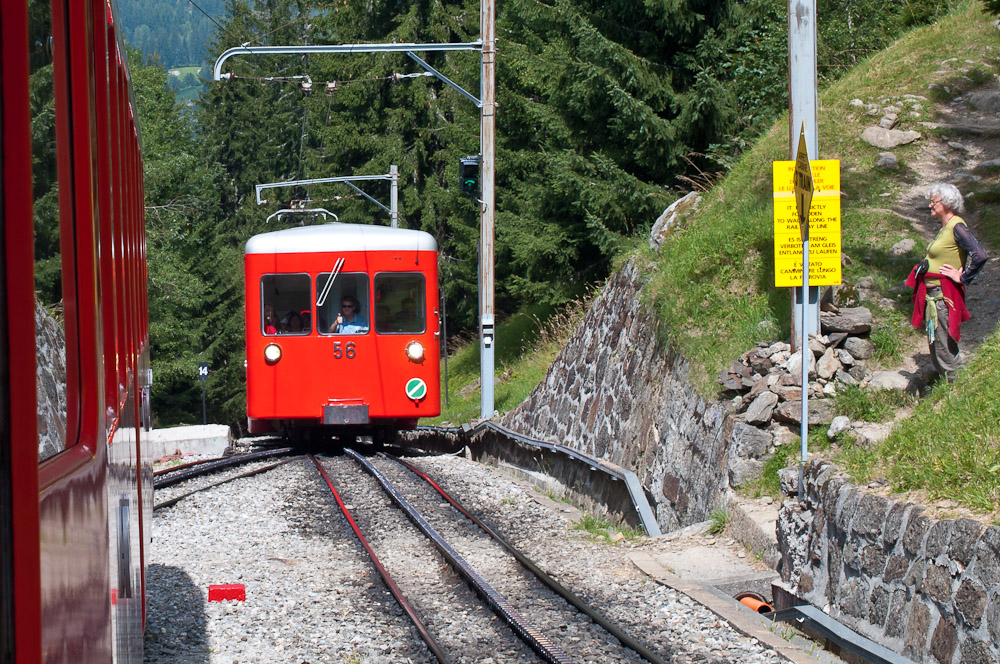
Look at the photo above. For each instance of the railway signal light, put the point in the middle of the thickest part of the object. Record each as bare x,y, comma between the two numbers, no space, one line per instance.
468,172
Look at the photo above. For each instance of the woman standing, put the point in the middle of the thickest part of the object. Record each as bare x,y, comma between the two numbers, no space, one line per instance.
952,261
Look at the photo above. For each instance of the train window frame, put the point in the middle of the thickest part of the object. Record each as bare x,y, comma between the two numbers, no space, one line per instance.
336,294
421,306
309,299
67,386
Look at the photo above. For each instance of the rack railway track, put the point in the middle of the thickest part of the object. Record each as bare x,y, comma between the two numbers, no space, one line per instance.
457,625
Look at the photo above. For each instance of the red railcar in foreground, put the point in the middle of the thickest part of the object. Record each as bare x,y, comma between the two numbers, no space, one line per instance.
342,330
75,489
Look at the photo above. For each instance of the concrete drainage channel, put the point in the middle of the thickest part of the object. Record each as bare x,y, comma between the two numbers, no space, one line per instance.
690,560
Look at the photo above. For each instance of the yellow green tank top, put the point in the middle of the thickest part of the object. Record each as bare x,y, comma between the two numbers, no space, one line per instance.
945,250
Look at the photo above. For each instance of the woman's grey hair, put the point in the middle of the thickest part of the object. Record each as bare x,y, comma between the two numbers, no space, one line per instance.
949,194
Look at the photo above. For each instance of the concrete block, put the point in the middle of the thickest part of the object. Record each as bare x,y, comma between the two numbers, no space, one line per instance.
210,439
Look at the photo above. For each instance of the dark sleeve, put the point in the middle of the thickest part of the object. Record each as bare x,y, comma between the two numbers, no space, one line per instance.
977,256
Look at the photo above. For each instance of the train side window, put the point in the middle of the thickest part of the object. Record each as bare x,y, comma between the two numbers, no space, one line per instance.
285,304
50,328
333,292
400,303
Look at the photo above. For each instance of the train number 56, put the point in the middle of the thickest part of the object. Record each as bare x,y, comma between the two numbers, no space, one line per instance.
347,351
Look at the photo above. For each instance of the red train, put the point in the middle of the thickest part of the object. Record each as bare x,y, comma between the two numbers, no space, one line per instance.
342,330
75,488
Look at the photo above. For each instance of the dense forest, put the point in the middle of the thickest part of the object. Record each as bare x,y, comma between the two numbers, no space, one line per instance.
174,31
607,112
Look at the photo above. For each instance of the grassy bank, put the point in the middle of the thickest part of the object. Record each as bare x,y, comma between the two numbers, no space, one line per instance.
526,344
715,289
950,446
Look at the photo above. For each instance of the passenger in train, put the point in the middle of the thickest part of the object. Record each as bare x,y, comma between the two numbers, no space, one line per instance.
294,323
307,321
406,318
349,321
270,320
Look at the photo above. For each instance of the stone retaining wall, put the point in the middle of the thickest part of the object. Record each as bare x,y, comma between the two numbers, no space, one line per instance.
614,393
929,589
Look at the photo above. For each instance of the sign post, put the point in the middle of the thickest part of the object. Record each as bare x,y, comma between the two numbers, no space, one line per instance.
203,376
803,109
813,220
803,201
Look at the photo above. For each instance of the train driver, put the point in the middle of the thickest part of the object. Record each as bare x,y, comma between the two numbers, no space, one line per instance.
349,321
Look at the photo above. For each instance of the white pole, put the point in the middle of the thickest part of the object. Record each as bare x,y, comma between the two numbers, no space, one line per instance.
804,430
802,108
394,196
487,334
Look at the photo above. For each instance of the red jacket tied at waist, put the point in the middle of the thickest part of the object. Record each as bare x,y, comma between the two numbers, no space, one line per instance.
954,297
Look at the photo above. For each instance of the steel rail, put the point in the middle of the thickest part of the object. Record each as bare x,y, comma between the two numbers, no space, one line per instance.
530,634
249,473
217,464
558,588
390,584
192,464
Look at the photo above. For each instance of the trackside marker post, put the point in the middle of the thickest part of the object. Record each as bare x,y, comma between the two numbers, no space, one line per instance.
226,592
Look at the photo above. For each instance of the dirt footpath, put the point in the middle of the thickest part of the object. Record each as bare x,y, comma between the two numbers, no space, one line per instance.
950,150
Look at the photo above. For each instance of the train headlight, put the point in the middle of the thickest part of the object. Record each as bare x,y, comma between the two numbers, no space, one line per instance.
415,351
272,353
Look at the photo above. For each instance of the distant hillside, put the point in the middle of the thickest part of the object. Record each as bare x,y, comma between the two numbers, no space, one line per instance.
172,29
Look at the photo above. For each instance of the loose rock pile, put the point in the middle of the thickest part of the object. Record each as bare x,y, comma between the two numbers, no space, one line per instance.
767,381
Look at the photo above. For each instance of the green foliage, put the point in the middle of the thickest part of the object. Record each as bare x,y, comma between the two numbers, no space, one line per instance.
888,343
718,520
181,188
596,116
769,484
527,343
45,179
755,58
175,33
602,106
600,529
859,403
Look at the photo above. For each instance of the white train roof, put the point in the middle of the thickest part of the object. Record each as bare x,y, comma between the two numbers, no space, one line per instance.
335,237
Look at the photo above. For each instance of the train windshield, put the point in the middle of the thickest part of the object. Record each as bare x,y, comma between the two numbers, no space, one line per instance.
285,304
342,303
400,303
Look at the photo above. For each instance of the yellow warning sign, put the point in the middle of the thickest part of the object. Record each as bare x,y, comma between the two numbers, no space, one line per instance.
824,225
803,184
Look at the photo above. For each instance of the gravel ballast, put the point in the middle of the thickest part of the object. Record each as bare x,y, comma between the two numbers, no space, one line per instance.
313,596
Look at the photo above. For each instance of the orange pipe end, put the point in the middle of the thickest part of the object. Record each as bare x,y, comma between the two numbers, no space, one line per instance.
756,605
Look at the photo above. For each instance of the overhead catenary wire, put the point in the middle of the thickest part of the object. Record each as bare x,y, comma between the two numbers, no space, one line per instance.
211,18
207,15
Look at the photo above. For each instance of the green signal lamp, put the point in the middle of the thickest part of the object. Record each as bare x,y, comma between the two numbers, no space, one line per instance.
468,172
